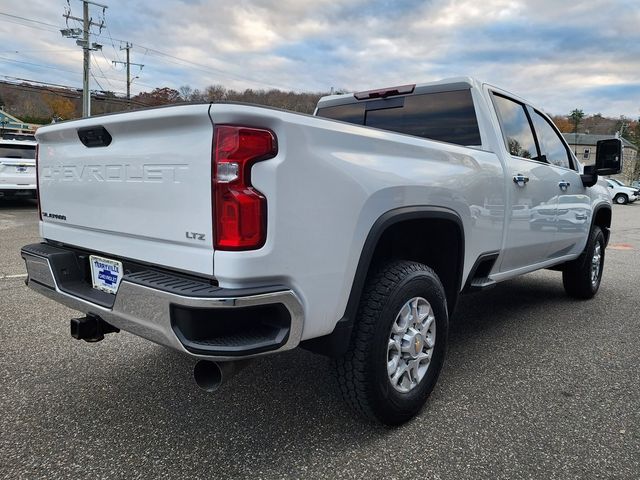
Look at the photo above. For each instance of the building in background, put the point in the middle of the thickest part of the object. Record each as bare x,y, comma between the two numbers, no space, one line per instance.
10,125
584,146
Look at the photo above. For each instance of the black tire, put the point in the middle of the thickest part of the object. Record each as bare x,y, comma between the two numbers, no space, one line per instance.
362,371
577,275
621,199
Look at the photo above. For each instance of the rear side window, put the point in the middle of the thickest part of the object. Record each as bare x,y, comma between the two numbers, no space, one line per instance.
516,129
18,151
443,116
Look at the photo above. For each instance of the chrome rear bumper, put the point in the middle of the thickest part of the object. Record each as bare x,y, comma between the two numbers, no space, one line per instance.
147,303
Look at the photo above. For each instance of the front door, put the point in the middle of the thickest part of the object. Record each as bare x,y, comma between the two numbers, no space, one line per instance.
573,205
532,196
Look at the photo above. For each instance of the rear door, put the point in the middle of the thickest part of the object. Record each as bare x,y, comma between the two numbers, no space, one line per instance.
532,196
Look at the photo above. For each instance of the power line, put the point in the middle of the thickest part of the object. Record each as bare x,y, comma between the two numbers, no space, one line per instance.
65,70
38,50
36,65
128,63
86,44
72,91
115,50
208,69
204,68
107,60
96,80
28,19
95,62
29,26
198,66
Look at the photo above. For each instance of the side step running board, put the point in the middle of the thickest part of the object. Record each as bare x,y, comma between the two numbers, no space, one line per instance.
481,284
479,276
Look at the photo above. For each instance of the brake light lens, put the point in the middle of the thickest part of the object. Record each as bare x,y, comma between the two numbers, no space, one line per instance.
385,92
38,181
240,211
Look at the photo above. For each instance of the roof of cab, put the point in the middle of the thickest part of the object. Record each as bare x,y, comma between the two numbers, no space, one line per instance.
447,84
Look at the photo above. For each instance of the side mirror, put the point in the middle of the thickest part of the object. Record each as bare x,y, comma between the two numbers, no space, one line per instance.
608,157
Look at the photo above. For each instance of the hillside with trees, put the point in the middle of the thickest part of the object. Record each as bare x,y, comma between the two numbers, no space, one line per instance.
34,103
42,104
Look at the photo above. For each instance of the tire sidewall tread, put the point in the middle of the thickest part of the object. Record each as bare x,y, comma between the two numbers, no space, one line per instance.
362,374
576,276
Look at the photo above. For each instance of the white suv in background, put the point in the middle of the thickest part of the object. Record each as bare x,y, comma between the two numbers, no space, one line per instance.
620,193
18,167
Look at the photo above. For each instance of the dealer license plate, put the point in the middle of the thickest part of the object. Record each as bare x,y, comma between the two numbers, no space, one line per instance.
106,274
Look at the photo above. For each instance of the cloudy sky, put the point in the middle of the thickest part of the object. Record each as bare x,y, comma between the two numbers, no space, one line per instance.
558,54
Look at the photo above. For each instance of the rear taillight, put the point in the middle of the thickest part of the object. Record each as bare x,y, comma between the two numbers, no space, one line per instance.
38,181
240,211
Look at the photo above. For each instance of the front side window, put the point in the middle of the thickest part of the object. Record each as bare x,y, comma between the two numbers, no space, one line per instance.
515,127
552,149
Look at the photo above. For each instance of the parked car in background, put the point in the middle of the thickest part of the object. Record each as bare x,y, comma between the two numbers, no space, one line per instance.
620,193
632,186
562,212
18,167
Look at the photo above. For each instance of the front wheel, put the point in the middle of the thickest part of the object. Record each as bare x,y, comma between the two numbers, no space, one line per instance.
621,199
398,344
581,277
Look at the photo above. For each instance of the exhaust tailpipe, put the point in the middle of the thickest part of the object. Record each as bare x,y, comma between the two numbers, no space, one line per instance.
210,375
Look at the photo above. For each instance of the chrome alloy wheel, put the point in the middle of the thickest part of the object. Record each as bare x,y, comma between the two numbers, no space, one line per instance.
411,342
596,265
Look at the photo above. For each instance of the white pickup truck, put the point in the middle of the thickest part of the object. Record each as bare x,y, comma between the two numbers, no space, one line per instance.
230,231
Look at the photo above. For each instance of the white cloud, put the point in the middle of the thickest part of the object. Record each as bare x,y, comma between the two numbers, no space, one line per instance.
555,54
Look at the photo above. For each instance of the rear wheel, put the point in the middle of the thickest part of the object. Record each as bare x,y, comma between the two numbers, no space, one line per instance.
581,277
621,199
398,344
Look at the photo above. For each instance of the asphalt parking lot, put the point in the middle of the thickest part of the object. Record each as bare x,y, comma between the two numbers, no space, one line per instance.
535,386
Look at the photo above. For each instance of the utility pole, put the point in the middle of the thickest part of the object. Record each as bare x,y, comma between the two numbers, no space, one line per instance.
128,63
86,62
86,45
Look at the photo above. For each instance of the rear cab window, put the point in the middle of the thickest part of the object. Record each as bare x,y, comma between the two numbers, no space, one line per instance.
18,151
447,116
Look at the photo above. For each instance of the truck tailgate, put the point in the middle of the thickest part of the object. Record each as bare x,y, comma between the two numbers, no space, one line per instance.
135,185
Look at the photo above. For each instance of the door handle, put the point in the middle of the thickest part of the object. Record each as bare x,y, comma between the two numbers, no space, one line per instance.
520,180
563,184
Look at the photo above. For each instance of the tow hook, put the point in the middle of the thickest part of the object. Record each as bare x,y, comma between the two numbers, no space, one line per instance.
91,328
